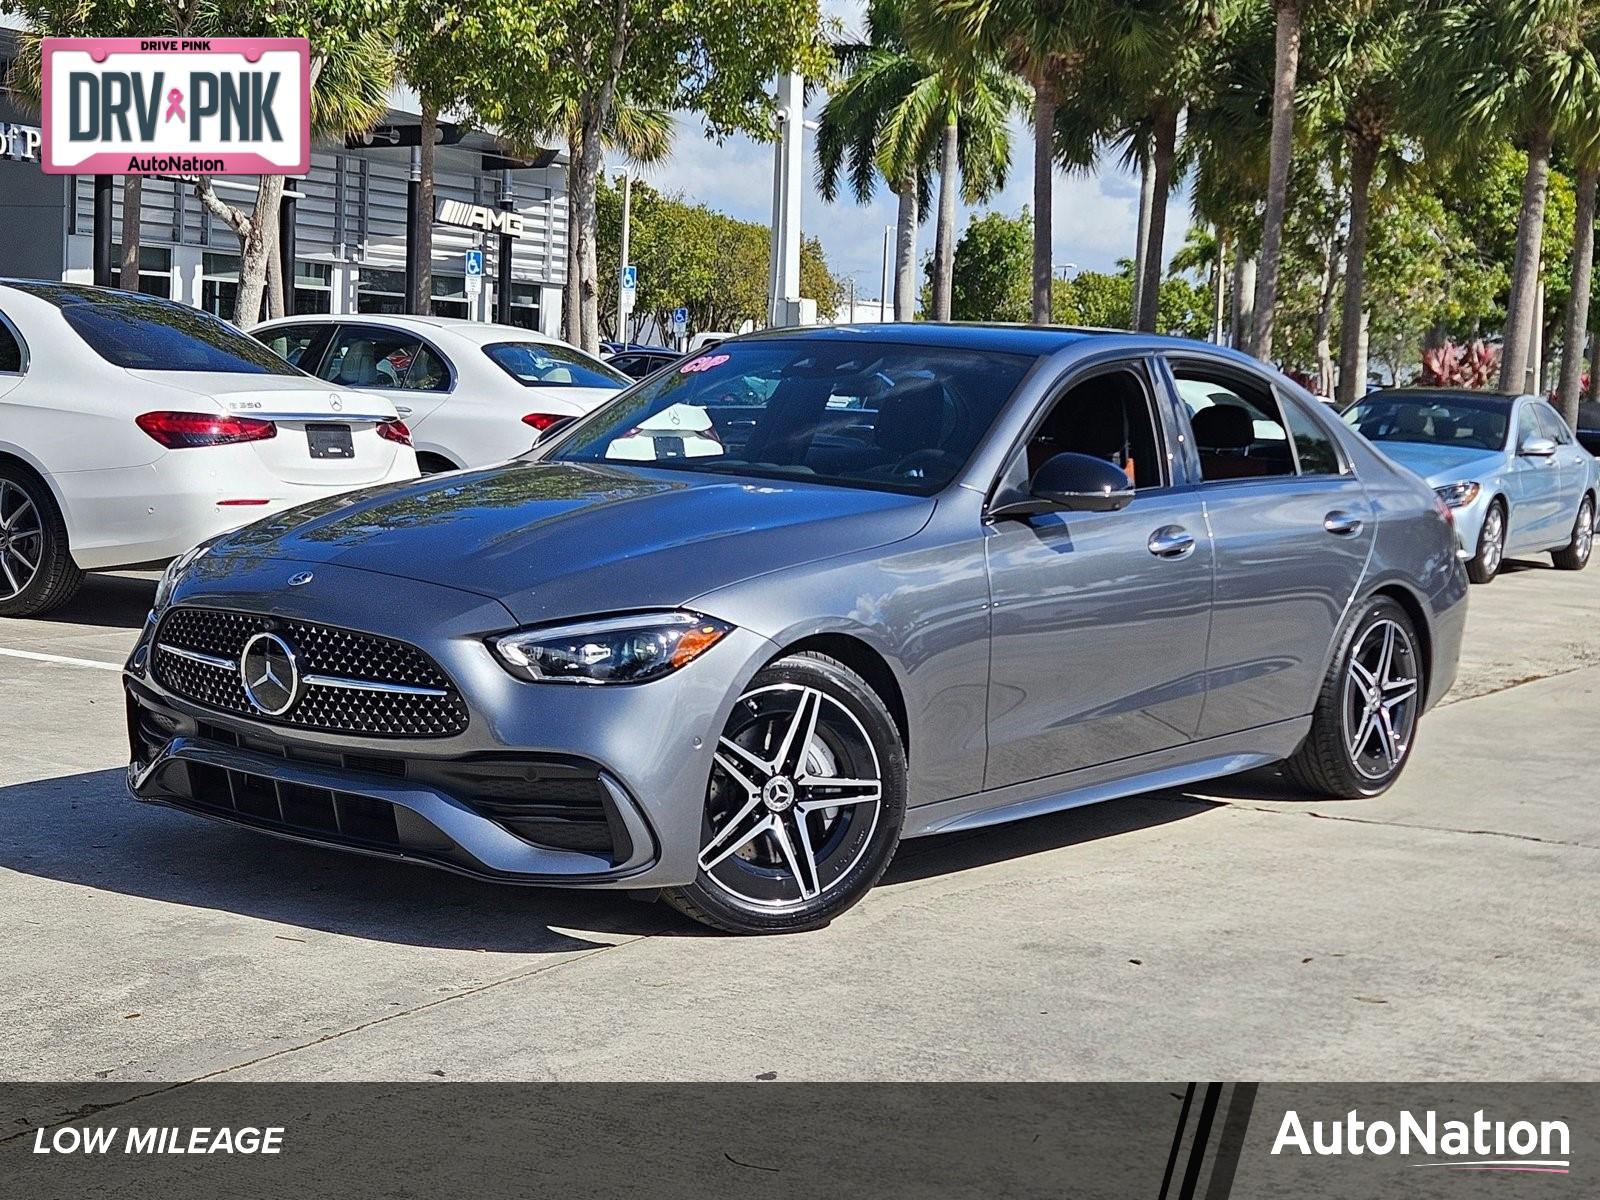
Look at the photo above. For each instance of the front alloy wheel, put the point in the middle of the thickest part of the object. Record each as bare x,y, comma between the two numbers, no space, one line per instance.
1491,550
804,804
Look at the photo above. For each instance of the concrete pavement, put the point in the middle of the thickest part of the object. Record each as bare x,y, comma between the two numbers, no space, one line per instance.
1442,931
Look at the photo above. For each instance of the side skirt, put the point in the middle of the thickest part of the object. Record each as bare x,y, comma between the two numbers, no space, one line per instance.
1177,767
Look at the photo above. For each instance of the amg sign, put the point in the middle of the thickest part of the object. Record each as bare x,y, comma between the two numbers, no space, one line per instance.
477,216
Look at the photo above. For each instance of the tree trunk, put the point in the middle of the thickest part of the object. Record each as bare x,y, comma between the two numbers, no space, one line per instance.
274,285
1323,323
1363,161
259,241
905,253
1147,188
1044,113
1148,294
1286,69
1244,300
422,302
1219,278
132,202
572,332
1518,351
944,234
586,181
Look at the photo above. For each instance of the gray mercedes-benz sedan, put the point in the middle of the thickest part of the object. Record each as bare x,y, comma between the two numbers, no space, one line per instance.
739,631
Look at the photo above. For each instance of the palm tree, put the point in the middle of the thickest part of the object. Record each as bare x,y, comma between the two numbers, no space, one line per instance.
1043,41
896,113
1519,69
641,133
1285,77
1366,56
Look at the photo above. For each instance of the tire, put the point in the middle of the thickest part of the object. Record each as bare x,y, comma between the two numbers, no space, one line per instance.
1574,556
1352,751
434,464
1491,549
37,573
774,858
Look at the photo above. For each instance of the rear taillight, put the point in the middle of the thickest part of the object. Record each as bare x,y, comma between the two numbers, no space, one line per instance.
544,421
187,430
394,431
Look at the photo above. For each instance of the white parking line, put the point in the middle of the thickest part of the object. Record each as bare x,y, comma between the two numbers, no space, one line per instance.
59,658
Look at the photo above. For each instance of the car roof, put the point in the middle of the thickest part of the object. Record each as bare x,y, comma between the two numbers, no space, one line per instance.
1446,393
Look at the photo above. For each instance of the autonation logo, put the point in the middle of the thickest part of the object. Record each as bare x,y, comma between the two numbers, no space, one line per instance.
1478,1144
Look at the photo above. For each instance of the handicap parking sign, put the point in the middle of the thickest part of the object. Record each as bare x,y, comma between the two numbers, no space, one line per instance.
474,262
630,278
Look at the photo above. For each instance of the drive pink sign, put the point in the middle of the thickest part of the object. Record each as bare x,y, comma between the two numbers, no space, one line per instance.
177,106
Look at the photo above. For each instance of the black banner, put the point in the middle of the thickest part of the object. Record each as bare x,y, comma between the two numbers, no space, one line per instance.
1185,1141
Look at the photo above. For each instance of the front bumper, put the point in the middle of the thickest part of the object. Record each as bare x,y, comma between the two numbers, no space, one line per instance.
1469,524
548,784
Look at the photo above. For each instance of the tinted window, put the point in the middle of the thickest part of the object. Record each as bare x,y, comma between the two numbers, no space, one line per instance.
864,414
10,350
428,372
553,364
141,332
292,343
1475,423
1107,416
1236,425
1313,445
1527,425
365,356
1554,427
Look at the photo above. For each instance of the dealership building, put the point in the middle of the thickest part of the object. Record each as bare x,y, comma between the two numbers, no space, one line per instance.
346,223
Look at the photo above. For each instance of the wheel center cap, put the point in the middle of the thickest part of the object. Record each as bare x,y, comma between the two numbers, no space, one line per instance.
778,793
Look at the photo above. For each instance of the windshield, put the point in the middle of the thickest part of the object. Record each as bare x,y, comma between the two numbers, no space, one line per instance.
1466,421
862,414
553,364
145,333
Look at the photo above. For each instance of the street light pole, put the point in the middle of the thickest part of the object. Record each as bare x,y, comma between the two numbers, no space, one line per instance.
883,296
502,258
624,293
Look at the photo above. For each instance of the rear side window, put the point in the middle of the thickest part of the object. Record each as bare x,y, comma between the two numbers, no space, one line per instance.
1236,423
1313,445
10,350
143,333
553,364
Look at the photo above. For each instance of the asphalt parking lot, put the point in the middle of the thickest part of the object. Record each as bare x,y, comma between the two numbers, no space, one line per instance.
1444,931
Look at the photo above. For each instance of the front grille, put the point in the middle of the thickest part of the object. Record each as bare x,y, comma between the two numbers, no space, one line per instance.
342,816
402,692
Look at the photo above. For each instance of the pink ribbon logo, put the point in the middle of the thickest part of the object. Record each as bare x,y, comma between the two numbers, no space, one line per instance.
175,105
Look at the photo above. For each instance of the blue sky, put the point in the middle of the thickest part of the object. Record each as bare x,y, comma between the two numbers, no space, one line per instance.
1095,215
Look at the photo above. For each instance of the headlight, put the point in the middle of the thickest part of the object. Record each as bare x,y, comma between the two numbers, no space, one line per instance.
628,649
174,573
1458,495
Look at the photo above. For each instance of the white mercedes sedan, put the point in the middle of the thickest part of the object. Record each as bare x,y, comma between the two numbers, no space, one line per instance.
132,428
473,393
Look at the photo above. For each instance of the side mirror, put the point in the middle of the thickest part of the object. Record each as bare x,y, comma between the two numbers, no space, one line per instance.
1537,447
1073,483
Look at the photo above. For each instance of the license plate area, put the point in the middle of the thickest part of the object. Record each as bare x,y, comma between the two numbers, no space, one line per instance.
330,441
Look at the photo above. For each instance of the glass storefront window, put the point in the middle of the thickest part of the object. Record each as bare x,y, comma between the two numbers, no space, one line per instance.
155,269
525,305
381,291
313,287
219,284
450,296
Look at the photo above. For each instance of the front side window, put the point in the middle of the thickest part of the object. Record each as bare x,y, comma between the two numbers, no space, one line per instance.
292,343
1237,426
1527,425
553,364
1552,425
1106,416
143,333
1469,422
366,357
858,414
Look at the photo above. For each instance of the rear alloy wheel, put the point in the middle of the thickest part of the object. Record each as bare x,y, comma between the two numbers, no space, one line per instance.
1574,556
1365,722
804,805
37,573
1491,551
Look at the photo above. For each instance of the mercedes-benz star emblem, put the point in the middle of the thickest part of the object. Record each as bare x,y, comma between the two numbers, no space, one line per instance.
270,674
335,403
301,579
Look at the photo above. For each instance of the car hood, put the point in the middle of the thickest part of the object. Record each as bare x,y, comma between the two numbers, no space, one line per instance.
554,540
1444,464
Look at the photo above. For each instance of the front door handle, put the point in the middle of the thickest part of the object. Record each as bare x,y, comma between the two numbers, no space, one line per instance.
1171,541
1341,523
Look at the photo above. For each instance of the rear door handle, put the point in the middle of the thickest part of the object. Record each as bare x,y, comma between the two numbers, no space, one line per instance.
403,409
1342,523
1171,541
